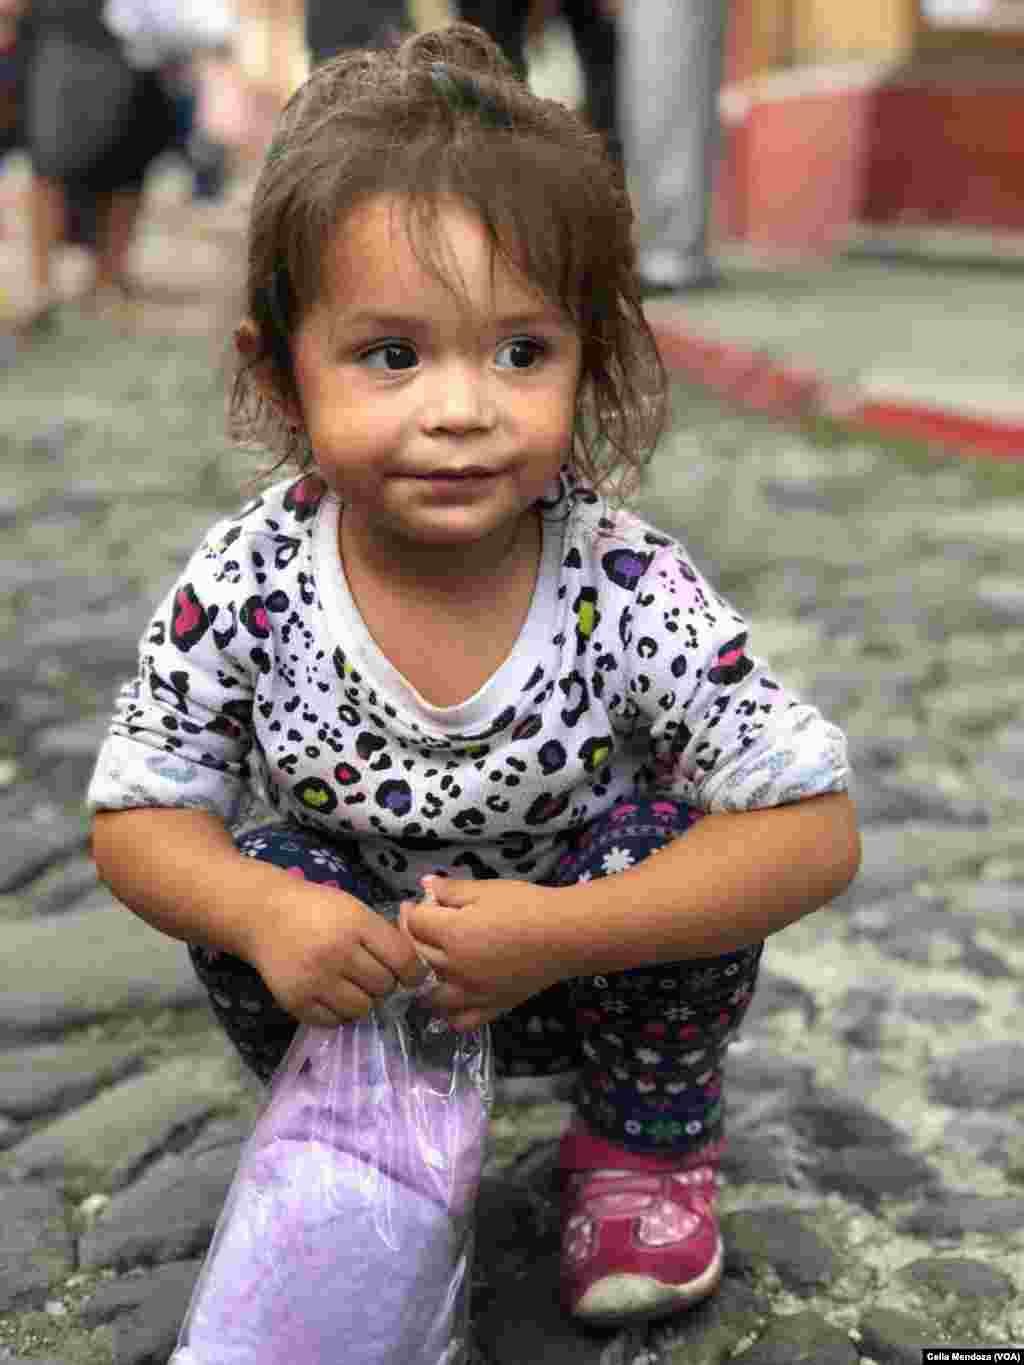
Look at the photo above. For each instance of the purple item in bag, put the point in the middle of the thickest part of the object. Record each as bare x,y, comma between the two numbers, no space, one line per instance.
346,1236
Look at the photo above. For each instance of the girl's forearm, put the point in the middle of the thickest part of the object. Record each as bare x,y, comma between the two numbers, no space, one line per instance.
731,880
179,870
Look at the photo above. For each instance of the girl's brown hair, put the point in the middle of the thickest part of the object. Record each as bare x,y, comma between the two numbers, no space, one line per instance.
444,114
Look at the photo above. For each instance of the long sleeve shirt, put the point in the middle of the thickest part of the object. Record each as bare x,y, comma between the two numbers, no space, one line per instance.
631,674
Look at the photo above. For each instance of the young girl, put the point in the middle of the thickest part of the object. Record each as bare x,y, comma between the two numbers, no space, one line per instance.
446,660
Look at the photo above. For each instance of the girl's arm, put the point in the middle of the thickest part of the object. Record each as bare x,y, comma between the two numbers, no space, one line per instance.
731,880
324,955
179,870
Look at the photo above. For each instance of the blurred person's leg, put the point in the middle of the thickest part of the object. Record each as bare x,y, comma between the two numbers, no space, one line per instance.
332,27
596,39
46,230
505,21
79,216
117,219
671,71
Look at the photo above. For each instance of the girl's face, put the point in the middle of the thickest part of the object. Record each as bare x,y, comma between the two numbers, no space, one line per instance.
439,418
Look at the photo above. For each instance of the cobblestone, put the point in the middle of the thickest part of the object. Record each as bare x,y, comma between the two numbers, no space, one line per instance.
872,1194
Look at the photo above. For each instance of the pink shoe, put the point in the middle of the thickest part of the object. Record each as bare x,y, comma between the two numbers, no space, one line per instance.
639,1244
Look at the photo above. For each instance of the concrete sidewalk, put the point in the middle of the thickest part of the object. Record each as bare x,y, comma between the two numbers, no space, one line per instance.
926,348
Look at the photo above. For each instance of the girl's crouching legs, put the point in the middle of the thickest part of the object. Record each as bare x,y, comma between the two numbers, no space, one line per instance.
640,1234
255,1023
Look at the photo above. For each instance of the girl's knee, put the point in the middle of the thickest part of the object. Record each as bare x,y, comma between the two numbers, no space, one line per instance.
619,838
297,852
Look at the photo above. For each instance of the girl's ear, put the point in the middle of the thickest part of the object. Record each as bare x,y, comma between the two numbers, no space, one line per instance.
249,345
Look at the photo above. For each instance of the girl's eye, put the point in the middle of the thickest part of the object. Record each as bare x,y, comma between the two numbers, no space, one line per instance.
390,355
519,354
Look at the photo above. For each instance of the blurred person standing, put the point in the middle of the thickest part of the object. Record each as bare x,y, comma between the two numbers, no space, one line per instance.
12,62
670,69
593,31
333,25
99,109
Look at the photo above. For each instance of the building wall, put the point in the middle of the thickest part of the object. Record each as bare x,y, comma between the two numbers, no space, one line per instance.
912,132
825,30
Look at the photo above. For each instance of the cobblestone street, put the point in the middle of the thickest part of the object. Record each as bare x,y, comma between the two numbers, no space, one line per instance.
874,1186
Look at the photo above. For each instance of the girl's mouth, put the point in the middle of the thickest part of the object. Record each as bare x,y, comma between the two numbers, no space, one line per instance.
475,472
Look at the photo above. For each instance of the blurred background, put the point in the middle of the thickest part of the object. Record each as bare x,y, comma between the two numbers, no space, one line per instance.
891,123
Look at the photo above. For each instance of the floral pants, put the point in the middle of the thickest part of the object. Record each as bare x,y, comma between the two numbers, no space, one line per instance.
648,1045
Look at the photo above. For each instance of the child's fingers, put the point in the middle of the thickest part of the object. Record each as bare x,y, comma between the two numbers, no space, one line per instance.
422,922
370,974
395,952
448,999
451,891
435,957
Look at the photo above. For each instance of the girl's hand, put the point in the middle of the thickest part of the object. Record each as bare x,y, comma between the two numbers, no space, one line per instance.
486,940
326,957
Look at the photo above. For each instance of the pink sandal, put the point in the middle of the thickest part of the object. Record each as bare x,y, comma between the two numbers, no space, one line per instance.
640,1238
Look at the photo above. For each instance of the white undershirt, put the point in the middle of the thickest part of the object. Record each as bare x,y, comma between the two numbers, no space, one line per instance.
345,622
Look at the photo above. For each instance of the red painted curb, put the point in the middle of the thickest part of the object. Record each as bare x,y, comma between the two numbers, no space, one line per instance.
754,379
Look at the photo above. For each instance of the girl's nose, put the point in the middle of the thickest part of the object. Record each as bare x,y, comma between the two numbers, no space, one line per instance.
460,400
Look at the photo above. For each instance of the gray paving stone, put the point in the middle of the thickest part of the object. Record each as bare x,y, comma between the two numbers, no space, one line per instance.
35,1360
773,1156
10,507
961,1276
870,1174
134,1293
1003,899
34,708
779,1238
52,439
1004,597
858,1020
527,1323
890,920
985,963
167,1215
894,1338
149,1336
36,1245
954,1216
776,994
66,884
934,1007
77,739
712,1330
987,1076
112,632
87,965
880,753
112,1135
31,846
803,1339
832,1120
988,1136
888,866
890,801
1001,760
754,1072
54,1076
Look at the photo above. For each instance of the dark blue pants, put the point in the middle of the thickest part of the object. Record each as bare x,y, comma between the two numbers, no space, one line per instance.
648,1044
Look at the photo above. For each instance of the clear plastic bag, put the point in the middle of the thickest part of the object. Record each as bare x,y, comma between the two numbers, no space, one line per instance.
347,1234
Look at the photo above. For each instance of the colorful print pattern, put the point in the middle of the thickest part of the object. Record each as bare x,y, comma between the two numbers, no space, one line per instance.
644,683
